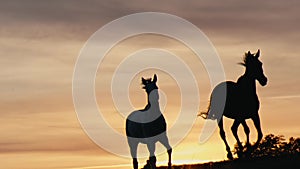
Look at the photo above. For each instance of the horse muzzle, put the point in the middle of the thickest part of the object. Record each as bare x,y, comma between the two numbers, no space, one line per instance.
263,81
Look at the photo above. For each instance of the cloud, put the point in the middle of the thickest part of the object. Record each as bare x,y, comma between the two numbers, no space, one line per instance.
284,97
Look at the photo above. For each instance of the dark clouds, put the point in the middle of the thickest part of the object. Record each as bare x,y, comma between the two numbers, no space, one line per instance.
79,17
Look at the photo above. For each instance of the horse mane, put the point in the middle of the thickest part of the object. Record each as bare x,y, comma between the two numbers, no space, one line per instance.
247,58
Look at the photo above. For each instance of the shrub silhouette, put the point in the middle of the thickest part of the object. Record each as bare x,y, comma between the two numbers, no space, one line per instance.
273,147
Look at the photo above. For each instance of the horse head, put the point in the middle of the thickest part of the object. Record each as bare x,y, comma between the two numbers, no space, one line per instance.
254,67
149,84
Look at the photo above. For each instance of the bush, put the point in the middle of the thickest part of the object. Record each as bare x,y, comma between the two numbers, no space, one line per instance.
273,147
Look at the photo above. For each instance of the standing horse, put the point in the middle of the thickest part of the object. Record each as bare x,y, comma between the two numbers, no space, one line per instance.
241,101
148,126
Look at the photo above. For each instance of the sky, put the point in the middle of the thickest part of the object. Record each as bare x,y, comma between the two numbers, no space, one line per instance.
41,41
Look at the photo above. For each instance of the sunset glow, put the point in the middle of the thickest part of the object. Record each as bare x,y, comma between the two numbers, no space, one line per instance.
40,44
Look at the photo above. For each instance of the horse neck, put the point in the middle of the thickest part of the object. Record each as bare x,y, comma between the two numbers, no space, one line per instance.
153,99
247,82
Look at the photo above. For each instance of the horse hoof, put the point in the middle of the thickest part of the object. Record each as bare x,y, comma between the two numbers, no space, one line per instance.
150,165
229,156
147,166
240,154
248,152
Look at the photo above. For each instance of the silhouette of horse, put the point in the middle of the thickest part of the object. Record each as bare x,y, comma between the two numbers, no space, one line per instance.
148,126
241,102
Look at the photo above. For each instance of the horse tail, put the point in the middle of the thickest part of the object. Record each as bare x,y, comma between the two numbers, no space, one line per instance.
207,114
203,115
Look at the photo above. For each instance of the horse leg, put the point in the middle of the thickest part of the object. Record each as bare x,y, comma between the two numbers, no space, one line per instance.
152,158
165,142
133,151
247,131
248,151
256,122
223,136
234,129
170,157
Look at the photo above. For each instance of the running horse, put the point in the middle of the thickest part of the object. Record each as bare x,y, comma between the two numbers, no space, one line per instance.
148,126
241,102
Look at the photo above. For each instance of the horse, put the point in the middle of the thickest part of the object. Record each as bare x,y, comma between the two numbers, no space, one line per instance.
241,102
148,126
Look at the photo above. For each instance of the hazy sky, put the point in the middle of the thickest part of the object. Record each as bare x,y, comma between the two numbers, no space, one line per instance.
41,40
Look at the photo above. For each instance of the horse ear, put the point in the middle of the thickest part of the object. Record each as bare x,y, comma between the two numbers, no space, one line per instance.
154,78
249,53
257,54
143,81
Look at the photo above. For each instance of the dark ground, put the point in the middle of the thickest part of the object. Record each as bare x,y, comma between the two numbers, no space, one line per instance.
274,163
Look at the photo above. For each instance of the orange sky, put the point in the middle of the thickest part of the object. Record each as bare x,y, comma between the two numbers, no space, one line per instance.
40,43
